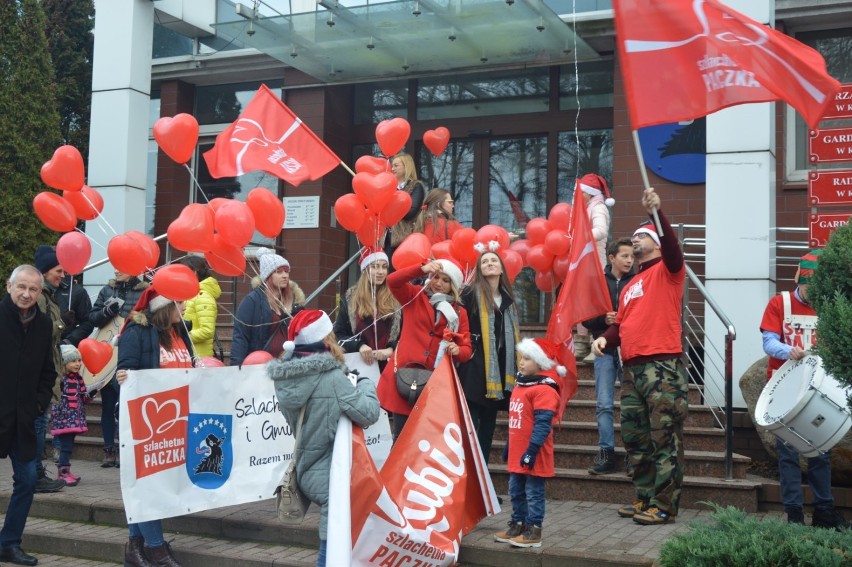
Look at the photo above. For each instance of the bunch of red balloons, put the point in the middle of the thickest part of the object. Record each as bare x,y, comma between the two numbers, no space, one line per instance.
549,246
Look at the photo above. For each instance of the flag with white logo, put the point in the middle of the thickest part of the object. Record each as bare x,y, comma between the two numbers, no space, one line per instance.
433,489
584,294
269,137
685,59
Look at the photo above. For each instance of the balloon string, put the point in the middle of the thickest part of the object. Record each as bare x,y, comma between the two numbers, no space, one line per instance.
90,239
196,183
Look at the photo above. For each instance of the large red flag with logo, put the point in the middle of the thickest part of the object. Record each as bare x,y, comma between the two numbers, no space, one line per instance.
433,489
269,137
684,59
584,294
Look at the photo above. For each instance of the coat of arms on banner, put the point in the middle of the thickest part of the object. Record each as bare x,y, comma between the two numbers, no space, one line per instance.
158,423
210,456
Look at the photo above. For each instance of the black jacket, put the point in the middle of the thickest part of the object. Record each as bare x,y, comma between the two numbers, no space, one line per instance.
78,326
598,325
27,379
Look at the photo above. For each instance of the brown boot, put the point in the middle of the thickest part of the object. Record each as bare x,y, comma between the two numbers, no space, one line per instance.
161,556
133,556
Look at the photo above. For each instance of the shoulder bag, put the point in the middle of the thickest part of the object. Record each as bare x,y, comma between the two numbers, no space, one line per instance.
410,379
289,498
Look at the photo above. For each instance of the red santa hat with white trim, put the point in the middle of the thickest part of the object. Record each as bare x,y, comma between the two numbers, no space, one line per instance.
593,184
649,229
370,254
306,327
544,353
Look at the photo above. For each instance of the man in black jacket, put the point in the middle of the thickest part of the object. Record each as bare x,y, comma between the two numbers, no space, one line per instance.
29,373
618,272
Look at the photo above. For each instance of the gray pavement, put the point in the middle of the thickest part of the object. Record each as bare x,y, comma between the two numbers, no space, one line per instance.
582,532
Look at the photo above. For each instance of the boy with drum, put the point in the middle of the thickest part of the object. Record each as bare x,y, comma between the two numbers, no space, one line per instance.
789,331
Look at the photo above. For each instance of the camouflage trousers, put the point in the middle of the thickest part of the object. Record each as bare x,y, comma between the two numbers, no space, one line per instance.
653,409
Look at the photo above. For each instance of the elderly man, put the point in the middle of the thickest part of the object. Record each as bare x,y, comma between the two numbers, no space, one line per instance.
29,373
654,389
789,331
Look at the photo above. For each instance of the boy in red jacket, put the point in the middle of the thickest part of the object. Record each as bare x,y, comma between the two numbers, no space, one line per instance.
529,451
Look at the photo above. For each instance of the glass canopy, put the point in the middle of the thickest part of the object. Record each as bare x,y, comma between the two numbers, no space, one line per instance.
392,39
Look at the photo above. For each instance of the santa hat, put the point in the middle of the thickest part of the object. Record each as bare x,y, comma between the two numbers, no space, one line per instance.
544,353
268,262
807,265
69,353
593,185
306,327
370,254
650,230
151,300
453,271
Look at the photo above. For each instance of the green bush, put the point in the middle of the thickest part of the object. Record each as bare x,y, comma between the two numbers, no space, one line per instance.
732,538
830,291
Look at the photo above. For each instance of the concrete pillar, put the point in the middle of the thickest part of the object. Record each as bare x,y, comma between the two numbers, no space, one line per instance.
118,139
740,219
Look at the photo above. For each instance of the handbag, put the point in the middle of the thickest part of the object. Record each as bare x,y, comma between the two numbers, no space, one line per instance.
289,498
410,379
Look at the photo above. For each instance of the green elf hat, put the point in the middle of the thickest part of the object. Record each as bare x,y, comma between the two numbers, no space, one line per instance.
807,265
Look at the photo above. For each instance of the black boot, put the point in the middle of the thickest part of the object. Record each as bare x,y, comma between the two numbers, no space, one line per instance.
604,462
830,518
133,556
161,556
795,516
109,459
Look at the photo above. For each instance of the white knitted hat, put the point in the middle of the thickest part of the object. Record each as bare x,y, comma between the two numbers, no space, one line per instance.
268,262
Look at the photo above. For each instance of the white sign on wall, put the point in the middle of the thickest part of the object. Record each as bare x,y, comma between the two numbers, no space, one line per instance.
302,212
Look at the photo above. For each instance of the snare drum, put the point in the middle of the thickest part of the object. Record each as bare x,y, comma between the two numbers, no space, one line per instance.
805,407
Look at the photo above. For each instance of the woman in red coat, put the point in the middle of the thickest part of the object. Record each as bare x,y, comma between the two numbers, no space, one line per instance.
427,311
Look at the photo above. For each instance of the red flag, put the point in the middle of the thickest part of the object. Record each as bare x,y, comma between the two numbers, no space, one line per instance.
682,60
433,489
584,294
521,217
269,137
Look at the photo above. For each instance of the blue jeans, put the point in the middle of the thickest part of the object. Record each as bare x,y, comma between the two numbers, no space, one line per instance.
109,399
819,478
66,447
321,555
527,494
41,433
607,370
151,532
23,488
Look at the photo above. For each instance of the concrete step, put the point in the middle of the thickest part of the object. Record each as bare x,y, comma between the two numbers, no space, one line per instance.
578,484
584,410
586,390
577,433
698,463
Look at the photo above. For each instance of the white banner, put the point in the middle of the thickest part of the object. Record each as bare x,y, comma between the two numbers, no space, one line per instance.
204,438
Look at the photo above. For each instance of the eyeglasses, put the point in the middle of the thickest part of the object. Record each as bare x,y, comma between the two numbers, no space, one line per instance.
640,235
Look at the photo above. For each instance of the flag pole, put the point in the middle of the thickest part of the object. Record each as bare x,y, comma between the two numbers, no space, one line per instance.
347,168
645,178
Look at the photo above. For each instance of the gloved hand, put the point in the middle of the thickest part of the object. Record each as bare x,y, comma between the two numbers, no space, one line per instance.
111,310
69,318
528,460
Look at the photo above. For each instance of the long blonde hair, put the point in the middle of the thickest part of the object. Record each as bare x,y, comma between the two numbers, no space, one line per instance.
362,304
330,342
409,167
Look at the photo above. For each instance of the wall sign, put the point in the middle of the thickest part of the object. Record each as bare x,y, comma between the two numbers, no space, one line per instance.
842,105
821,226
827,188
302,212
830,145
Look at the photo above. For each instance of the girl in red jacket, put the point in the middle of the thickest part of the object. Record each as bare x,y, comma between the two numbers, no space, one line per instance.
433,324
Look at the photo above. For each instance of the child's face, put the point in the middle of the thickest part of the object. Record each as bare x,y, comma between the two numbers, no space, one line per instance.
73,366
527,366
440,283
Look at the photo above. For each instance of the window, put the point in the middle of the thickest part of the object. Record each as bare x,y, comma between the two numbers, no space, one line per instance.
836,47
375,102
222,104
589,151
589,85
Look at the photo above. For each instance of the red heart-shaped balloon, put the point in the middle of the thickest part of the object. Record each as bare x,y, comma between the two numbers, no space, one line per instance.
95,354
268,211
73,250
350,211
375,190
396,208
370,164
55,212
234,222
392,134
177,136
436,140
257,357
176,282
87,202
64,171
225,258
192,231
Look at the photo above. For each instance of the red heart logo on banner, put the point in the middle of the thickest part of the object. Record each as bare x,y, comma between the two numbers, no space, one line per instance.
177,136
436,140
95,354
64,171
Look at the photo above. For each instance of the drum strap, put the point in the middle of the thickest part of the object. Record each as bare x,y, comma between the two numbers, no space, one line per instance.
797,321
